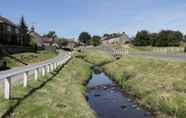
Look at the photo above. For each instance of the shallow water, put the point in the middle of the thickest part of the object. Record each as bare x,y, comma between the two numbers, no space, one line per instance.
107,100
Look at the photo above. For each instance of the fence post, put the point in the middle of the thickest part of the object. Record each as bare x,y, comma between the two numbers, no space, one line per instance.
47,68
51,67
25,79
36,74
43,71
7,88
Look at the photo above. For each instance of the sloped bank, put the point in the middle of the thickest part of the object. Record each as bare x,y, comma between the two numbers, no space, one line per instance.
157,85
62,95
104,96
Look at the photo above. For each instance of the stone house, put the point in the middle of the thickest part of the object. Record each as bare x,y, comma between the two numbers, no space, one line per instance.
9,32
37,37
120,38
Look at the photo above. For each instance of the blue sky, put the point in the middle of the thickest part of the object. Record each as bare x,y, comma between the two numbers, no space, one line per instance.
70,17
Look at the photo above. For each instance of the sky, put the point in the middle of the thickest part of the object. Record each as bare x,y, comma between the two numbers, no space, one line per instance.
70,17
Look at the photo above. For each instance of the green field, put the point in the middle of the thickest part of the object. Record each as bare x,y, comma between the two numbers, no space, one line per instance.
60,97
28,58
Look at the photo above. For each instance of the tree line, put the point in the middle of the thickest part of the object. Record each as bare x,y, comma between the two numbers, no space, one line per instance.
161,39
86,39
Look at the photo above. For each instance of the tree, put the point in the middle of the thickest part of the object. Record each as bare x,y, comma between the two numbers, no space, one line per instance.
50,34
33,44
84,37
170,38
106,35
184,38
62,42
96,40
24,32
142,38
154,39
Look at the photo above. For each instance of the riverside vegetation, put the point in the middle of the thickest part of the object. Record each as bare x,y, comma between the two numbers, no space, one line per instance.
157,85
62,96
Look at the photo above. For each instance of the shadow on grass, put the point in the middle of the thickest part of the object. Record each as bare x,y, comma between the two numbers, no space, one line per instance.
19,100
18,60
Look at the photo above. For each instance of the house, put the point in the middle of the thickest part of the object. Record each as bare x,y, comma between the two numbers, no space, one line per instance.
116,38
9,32
46,41
37,37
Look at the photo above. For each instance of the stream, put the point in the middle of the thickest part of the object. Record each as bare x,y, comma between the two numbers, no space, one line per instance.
108,101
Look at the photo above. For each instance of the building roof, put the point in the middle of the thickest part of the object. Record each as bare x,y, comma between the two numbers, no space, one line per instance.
117,36
34,33
47,40
7,21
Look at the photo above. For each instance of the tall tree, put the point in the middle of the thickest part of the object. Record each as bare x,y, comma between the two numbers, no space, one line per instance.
184,39
24,32
50,34
154,39
96,40
84,37
142,38
170,38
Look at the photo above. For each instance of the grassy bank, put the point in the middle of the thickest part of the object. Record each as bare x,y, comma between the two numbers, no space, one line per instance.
95,56
157,85
22,59
60,97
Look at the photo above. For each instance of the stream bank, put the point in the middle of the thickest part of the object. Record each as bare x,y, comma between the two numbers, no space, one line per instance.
107,99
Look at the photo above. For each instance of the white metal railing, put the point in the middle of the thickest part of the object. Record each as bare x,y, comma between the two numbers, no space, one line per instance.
45,67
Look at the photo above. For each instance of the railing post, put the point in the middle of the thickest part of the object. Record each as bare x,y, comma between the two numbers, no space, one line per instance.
36,74
47,68
43,71
7,88
25,79
51,67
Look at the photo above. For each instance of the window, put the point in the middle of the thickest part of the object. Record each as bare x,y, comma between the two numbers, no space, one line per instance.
9,28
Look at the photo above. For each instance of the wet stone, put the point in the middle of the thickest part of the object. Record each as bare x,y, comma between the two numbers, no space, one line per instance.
129,100
134,106
147,114
138,108
97,95
124,107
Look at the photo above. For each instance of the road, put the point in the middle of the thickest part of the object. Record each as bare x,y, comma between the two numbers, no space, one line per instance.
170,56
167,56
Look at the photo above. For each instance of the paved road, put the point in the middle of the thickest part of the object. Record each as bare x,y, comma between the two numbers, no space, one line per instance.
62,55
170,56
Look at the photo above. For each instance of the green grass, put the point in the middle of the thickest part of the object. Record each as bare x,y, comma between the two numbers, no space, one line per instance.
29,58
95,56
157,85
62,97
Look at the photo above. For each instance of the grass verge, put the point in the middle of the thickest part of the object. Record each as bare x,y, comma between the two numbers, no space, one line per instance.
157,85
95,56
22,59
59,95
